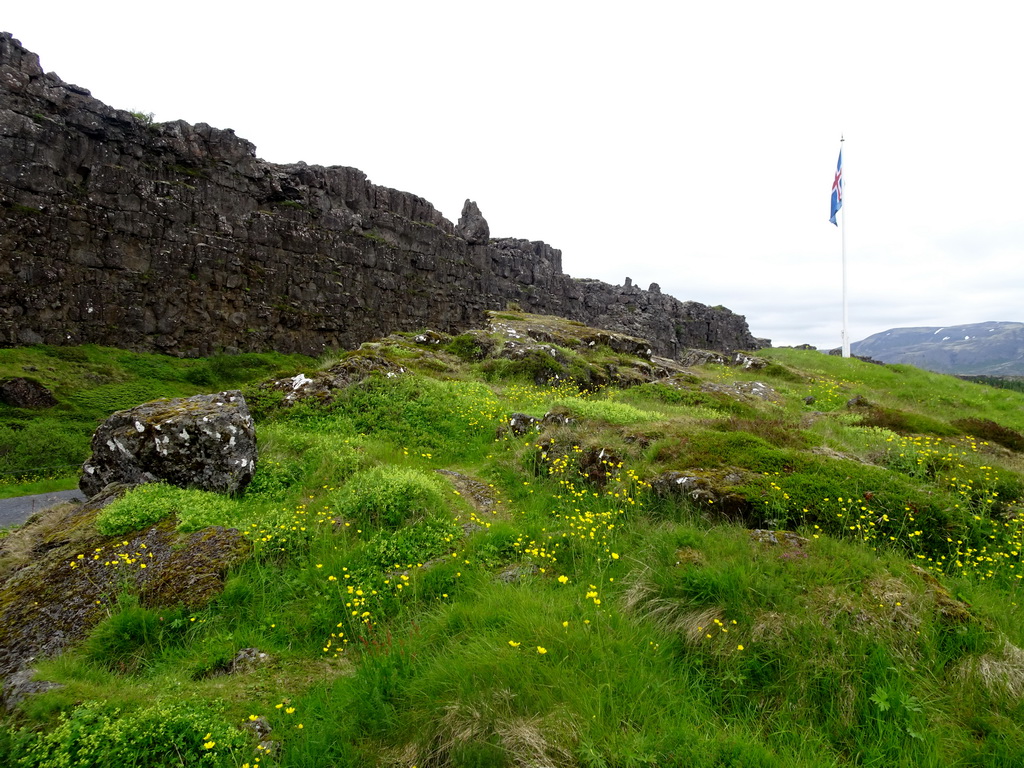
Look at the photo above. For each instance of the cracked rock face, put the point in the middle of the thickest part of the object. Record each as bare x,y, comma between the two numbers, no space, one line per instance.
206,442
177,238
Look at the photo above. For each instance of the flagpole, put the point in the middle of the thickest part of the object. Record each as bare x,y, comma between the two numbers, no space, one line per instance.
846,335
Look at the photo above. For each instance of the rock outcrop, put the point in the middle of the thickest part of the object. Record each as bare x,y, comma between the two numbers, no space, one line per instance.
206,442
25,393
472,225
176,238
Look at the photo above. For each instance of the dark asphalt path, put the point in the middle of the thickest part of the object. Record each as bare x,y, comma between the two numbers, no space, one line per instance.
19,509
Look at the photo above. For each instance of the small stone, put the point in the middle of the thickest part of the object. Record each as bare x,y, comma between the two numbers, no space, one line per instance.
259,727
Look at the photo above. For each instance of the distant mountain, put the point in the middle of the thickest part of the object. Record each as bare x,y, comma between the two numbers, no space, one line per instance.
992,349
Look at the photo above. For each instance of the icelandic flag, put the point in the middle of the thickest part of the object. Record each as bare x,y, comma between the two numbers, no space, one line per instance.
837,189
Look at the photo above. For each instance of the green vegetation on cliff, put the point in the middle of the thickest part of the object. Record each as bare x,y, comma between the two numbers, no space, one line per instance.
707,568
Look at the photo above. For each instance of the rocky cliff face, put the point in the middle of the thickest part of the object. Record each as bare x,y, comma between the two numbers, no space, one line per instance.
177,238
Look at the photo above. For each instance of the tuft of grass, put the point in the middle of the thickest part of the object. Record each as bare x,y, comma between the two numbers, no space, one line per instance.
607,411
147,505
390,497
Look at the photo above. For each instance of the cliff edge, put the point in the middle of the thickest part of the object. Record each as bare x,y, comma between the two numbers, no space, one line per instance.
176,238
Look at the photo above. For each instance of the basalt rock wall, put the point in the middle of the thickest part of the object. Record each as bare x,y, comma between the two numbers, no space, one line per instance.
176,238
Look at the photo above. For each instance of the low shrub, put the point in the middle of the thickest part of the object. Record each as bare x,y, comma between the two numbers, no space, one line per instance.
986,429
101,734
148,504
412,544
391,496
606,410
467,348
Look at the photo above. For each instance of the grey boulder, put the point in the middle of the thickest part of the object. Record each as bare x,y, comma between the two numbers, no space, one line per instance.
206,442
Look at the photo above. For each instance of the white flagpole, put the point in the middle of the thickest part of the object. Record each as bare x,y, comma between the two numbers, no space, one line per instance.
846,334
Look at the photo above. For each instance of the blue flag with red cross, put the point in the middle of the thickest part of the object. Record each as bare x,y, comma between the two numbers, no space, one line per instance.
837,189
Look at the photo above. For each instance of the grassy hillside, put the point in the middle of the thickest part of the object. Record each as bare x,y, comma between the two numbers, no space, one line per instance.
726,566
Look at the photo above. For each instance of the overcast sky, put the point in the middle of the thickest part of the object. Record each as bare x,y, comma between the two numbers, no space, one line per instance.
692,144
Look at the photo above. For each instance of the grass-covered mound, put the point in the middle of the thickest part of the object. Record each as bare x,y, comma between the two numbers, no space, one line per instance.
607,586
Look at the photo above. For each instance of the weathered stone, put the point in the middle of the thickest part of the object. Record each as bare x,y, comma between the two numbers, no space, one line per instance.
691,357
25,393
750,362
598,464
324,385
432,338
521,423
472,225
191,573
205,441
556,330
711,494
743,390
679,484
557,418
21,685
258,726
247,660
176,238
510,574
772,538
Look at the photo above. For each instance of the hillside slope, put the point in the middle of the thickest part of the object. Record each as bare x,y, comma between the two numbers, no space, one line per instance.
535,545
993,349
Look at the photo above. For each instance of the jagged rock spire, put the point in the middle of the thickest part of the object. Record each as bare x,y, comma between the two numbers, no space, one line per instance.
472,225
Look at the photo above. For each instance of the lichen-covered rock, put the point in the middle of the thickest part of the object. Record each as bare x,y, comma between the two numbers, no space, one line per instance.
518,424
749,362
21,685
206,442
711,493
743,390
598,464
548,329
322,386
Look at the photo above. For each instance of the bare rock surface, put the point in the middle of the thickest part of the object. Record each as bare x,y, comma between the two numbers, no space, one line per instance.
25,393
472,225
206,442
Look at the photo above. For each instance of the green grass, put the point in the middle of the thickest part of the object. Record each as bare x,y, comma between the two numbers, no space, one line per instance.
543,606
48,485
89,383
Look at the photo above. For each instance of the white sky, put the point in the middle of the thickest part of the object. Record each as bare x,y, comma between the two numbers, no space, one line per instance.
691,144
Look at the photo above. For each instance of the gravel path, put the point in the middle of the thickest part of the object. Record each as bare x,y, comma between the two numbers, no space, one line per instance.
19,509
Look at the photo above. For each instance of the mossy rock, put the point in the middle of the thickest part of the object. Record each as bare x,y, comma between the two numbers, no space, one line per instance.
60,577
